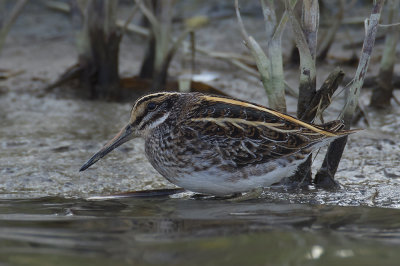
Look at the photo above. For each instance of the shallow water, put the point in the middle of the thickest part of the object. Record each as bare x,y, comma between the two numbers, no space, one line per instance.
165,231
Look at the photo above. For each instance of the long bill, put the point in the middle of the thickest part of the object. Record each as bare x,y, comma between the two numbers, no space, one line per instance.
123,136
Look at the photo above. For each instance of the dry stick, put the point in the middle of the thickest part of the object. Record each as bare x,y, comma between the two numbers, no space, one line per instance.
10,21
306,41
325,176
384,92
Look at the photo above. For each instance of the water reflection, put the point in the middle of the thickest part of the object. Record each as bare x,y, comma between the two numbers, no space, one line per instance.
191,232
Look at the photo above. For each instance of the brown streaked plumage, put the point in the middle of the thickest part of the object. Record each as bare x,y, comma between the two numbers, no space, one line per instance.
219,145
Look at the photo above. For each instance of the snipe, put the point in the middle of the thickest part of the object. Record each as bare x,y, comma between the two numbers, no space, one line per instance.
218,145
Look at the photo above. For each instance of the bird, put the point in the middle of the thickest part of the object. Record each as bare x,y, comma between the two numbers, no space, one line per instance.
217,145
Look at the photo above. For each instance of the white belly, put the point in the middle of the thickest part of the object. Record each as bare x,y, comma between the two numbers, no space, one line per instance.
213,182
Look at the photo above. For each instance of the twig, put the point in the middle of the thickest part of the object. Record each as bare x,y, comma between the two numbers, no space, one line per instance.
389,25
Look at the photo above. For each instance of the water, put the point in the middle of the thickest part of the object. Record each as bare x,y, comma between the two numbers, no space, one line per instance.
164,231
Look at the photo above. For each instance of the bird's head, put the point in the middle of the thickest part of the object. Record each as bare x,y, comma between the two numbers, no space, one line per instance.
148,112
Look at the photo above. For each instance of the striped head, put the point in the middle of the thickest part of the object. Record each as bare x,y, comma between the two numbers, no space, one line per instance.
151,111
147,113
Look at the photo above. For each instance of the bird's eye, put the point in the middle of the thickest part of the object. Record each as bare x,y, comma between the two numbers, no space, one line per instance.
151,106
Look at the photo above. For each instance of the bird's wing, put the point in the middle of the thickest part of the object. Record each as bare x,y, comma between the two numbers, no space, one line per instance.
248,142
247,133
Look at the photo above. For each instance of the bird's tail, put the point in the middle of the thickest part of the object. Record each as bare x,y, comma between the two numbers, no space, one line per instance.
337,127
